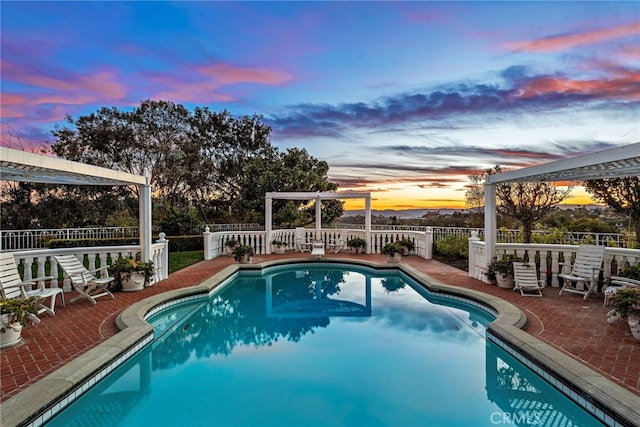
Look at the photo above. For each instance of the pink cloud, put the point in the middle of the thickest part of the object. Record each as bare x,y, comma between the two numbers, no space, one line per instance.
211,78
567,41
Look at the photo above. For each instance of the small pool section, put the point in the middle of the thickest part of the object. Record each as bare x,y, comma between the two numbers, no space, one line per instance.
323,345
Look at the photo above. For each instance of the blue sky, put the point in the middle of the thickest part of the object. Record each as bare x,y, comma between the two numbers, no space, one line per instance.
402,99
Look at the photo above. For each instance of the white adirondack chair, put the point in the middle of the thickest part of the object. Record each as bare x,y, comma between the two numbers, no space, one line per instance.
525,278
84,281
301,242
582,276
12,285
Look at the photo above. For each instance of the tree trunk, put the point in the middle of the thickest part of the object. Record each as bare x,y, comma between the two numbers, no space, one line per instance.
527,232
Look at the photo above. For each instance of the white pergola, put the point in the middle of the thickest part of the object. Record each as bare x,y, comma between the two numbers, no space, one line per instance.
318,196
617,162
22,166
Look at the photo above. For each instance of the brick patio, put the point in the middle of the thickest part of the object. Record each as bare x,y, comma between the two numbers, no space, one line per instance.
576,327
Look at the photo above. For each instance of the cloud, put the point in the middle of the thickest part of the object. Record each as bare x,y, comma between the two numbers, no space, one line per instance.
520,94
571,40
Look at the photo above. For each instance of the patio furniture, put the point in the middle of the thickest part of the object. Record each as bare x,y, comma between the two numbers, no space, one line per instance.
526,280
12,285
83,280
583,276
618,283
317,249
337,244
301,242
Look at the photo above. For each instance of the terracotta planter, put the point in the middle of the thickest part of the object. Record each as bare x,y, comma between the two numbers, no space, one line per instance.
12,334
246,259
133,281
394,259
634,325
504,281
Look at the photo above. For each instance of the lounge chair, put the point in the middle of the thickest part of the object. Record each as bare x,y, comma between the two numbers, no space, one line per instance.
12,285
337,244
582,278
525,278
301,242
83,280
617,283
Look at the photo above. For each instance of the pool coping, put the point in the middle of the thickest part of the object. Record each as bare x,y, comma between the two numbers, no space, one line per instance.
38,403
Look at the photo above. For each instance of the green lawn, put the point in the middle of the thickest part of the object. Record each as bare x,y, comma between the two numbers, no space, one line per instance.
180,260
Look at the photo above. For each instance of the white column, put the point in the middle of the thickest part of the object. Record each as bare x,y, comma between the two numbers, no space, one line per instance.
144,208
367,223
318,217
268,218
489,223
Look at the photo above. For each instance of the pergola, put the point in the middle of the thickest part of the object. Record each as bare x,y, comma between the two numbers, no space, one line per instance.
617,162
22,166
318,196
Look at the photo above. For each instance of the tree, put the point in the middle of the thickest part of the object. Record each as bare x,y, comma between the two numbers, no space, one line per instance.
211,162
620,194
526,202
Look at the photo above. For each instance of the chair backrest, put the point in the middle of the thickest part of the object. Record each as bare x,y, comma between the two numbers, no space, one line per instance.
525,273
588,257
300,235
74,269
9,276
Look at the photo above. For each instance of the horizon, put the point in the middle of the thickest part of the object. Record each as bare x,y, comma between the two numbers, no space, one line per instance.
404,100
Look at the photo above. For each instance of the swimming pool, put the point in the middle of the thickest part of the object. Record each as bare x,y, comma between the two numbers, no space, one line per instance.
313,345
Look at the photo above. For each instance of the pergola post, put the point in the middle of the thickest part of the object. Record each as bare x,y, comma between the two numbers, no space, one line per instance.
268,219
144,209
318,217
367,224
489,223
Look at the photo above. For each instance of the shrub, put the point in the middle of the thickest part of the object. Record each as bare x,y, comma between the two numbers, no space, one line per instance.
453,246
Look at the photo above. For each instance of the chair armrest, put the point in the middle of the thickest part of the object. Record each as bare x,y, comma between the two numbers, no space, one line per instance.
623,281
38,279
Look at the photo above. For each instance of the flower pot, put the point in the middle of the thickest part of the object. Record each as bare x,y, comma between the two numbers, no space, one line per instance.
394,259
245,259
133,281
634,325
279,249
12,334
504,281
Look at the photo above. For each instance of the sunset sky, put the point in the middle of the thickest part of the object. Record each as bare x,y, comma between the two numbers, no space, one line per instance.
402,99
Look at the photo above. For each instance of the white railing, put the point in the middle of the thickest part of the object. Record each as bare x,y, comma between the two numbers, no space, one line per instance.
214,242
98,257
547,257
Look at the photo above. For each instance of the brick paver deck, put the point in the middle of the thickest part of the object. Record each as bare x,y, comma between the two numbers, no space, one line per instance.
566,322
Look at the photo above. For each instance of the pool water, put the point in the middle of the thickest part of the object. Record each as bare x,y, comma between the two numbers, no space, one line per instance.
330,346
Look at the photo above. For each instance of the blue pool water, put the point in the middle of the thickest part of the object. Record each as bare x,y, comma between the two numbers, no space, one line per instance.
318,346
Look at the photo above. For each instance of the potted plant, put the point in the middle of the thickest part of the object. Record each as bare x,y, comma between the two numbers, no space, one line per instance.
14,315
230,245
500,270
393,251
408,246
131,274
279,246
243,254
626,304
357,244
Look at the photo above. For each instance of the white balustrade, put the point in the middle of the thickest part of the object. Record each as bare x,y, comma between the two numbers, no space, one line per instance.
94,257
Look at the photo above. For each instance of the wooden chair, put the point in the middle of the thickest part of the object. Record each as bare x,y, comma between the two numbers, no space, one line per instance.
12,285
83,280
582,277
525,278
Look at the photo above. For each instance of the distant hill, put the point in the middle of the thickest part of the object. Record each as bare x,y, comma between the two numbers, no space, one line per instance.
418,213
404,213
